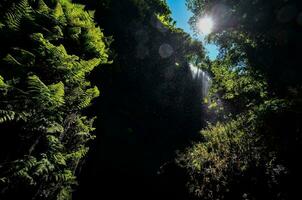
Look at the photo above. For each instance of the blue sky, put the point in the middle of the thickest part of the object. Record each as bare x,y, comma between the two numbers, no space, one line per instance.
181,15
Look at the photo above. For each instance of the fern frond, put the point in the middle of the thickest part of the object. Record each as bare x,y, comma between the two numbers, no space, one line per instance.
51,96
9,59
57,92
6,116
15,14
9,115
55,128
3,86
42,7
89,95
58,11
80,153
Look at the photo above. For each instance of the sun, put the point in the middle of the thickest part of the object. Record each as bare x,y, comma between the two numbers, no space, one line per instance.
205,25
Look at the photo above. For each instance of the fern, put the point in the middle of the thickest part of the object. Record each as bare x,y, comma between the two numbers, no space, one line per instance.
51,96
3,86
47,89
6,116
9,115
42,7
55,128
58,11
11,60
16,12
88,96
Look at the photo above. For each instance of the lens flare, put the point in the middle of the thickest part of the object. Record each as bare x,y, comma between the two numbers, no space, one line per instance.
205,25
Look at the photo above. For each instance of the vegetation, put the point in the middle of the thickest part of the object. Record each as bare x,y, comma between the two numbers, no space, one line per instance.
249,152
150,104
47,50
155,134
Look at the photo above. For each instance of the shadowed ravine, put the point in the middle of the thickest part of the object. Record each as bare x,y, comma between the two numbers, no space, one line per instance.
141,164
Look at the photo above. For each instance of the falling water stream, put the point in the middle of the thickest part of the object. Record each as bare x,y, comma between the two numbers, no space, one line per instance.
203,77
204,80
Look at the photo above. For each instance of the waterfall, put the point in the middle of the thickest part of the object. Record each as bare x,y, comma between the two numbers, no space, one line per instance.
202,77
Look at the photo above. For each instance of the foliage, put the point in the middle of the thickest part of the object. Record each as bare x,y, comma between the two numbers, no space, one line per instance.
264,33
257,90
234,88
234,157
47,50
150,103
